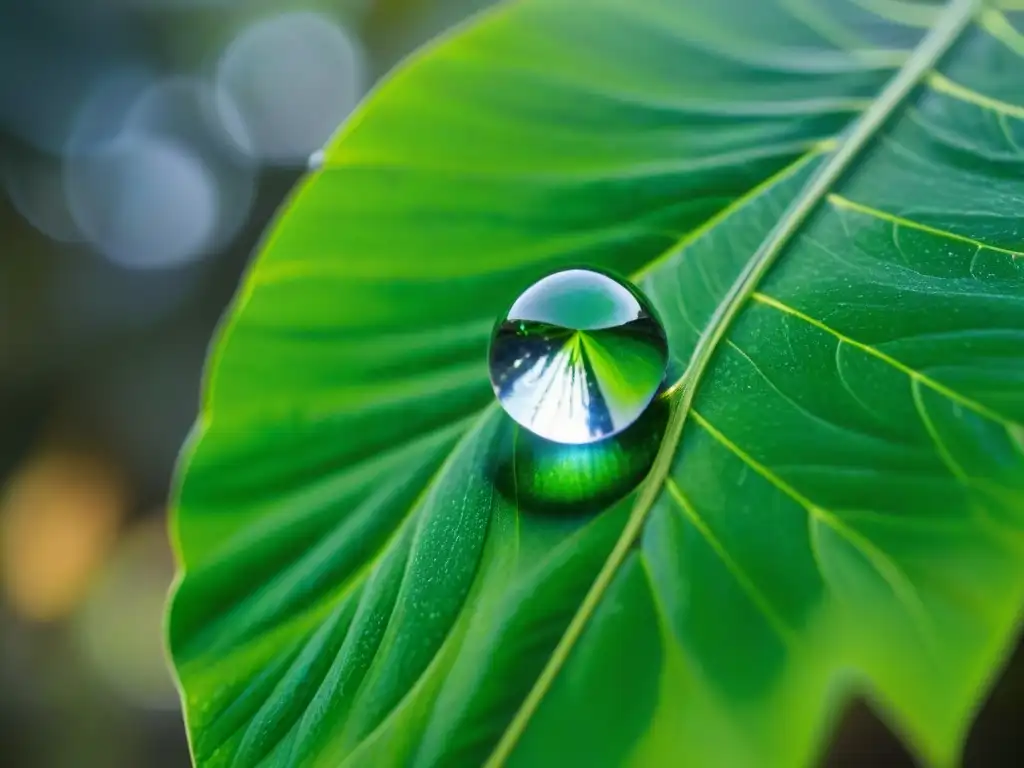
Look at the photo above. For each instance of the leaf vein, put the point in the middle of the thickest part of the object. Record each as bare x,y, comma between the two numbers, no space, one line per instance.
942,84
841,202
902,587
755,595
952,394
830,425
940,446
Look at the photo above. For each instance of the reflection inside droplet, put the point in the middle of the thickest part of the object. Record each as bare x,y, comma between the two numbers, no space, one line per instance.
578,357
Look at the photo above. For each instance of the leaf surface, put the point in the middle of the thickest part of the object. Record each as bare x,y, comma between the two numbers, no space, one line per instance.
823,201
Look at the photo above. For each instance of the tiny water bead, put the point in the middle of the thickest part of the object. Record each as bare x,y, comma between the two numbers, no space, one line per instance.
578,357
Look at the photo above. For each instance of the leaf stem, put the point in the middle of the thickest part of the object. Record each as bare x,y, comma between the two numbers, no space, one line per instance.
930,50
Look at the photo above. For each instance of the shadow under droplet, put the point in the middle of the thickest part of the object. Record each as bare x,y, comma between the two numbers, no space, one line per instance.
545,477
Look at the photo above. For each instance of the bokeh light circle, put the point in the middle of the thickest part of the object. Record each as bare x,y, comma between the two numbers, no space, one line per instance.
144,201
292,78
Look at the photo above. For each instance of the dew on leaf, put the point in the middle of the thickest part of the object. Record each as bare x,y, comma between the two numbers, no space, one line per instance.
578,357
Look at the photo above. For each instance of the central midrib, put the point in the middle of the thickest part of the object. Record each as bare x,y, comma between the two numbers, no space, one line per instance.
954,19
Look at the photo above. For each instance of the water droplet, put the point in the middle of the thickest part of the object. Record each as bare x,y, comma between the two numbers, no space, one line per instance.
578,357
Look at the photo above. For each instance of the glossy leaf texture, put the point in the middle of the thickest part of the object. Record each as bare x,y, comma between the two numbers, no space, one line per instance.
823,199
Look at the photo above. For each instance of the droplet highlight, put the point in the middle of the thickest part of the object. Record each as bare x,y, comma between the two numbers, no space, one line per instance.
578,357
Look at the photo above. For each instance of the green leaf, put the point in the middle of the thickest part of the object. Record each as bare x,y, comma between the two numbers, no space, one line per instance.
823,200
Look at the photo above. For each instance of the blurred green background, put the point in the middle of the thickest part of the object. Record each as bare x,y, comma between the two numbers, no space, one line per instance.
144,146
